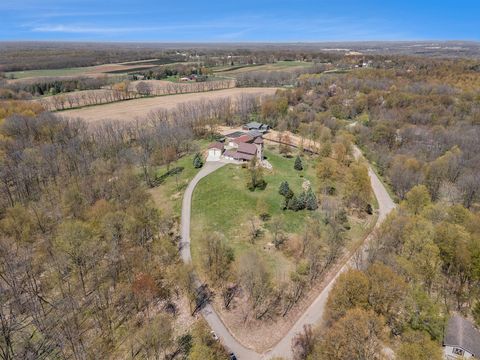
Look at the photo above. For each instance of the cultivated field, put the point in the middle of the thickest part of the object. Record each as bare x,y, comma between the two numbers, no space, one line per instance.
278,66
81,71
138,108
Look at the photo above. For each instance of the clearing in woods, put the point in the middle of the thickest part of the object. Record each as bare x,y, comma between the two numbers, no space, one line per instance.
132,109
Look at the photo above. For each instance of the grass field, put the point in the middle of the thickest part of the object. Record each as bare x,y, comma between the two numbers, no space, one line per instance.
280,65
83,71
47,73
222,203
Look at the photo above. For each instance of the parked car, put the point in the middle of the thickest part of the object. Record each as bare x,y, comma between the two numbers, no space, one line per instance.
232,356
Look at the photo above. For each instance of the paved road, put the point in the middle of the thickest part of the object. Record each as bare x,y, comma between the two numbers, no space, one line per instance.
314,313
208,312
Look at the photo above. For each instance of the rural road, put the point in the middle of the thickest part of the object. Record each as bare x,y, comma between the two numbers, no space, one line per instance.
314,313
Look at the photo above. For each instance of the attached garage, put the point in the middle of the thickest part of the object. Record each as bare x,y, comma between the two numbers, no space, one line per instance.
215,151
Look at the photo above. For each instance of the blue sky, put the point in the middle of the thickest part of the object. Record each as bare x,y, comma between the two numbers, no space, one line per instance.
239,20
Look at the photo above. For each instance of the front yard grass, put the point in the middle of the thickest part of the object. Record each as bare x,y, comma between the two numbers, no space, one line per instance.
222,203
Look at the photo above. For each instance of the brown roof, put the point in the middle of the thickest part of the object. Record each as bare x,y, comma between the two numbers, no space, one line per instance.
243,139
258,140
229,153
243,156
247,148
238,155
461,333
216,145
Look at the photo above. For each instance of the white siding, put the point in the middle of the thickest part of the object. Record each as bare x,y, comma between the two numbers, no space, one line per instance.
450,355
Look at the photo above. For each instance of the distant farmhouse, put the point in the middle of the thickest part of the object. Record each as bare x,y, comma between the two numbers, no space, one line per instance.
462,339
240,145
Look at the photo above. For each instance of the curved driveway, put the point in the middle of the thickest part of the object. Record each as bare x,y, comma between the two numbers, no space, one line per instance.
314,313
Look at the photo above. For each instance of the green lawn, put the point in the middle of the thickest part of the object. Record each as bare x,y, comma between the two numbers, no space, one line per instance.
168,195
222,202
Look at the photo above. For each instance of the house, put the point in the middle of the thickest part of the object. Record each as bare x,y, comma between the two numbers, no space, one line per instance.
239,145
461,340
263,128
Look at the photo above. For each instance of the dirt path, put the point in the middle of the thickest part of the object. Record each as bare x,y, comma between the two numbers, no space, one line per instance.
138,108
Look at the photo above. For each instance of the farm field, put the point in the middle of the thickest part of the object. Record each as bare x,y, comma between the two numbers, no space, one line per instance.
76,71
281,65
131,109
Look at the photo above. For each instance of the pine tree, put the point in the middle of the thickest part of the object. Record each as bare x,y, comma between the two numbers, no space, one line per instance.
197,161
311,200
294,204
298,164
301,201
284,188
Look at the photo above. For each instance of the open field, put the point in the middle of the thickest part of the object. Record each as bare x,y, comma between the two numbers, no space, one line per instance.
81,71
281,65
138,108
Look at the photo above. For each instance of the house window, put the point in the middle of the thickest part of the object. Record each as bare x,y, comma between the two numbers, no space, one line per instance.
458,351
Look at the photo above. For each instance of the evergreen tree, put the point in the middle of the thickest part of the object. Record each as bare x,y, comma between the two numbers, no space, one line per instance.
284,189
302,201
294,204
311,200
298,164
197,161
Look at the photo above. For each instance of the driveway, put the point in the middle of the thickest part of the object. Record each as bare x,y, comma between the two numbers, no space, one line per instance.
208,312
313,315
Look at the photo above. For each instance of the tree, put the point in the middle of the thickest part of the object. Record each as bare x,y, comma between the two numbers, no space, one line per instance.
386,294
157,337
419,256
255,281
217,257
404,174
303,343
197,161
311,200
326,149
358,191
298,164
417,345
357,335
277,229
350,290
256,176
417,199
284,189
328,171
476,312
